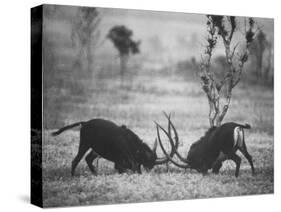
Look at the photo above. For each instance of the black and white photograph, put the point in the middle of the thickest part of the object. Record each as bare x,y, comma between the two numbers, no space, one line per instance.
131,106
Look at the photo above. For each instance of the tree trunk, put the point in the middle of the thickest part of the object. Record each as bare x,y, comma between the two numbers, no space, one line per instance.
89,59
123,64
259,65
269,65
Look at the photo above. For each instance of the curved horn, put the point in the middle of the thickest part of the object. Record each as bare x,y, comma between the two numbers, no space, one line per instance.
175,147
169,123
166,159
164,151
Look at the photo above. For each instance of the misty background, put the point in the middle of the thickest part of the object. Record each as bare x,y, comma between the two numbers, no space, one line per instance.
83,79
171,44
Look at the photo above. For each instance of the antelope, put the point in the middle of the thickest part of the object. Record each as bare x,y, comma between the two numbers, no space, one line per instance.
115,143
211,150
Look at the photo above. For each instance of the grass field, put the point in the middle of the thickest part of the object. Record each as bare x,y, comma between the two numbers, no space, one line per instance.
137,105
153,85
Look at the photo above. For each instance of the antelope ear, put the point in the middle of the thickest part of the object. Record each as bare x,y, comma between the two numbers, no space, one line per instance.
155,145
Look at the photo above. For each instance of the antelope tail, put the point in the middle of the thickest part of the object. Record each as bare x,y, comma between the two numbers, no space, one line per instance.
246,126
66,128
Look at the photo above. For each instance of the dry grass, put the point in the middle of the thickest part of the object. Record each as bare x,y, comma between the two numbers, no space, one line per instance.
137,105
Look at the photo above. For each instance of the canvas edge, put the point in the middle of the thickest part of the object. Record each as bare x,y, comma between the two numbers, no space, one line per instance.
36,192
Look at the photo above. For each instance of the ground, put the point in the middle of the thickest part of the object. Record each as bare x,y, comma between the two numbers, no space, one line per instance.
137,103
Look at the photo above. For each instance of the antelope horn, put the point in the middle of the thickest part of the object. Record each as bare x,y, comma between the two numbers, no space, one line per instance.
160,160
169,123
164,151
165,159
175,147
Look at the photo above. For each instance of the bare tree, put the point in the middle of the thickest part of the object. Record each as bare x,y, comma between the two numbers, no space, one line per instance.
219,91
85,35
121,38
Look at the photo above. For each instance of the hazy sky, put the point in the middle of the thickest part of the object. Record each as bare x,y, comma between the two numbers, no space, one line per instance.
181,35
168,36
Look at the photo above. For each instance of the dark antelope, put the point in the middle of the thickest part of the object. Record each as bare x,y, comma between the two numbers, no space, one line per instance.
114,143
217,145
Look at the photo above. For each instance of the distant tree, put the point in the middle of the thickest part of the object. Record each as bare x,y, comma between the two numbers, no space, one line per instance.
270,61
194,64
121,38
218,91
220,66
221,61
85,34
258,49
